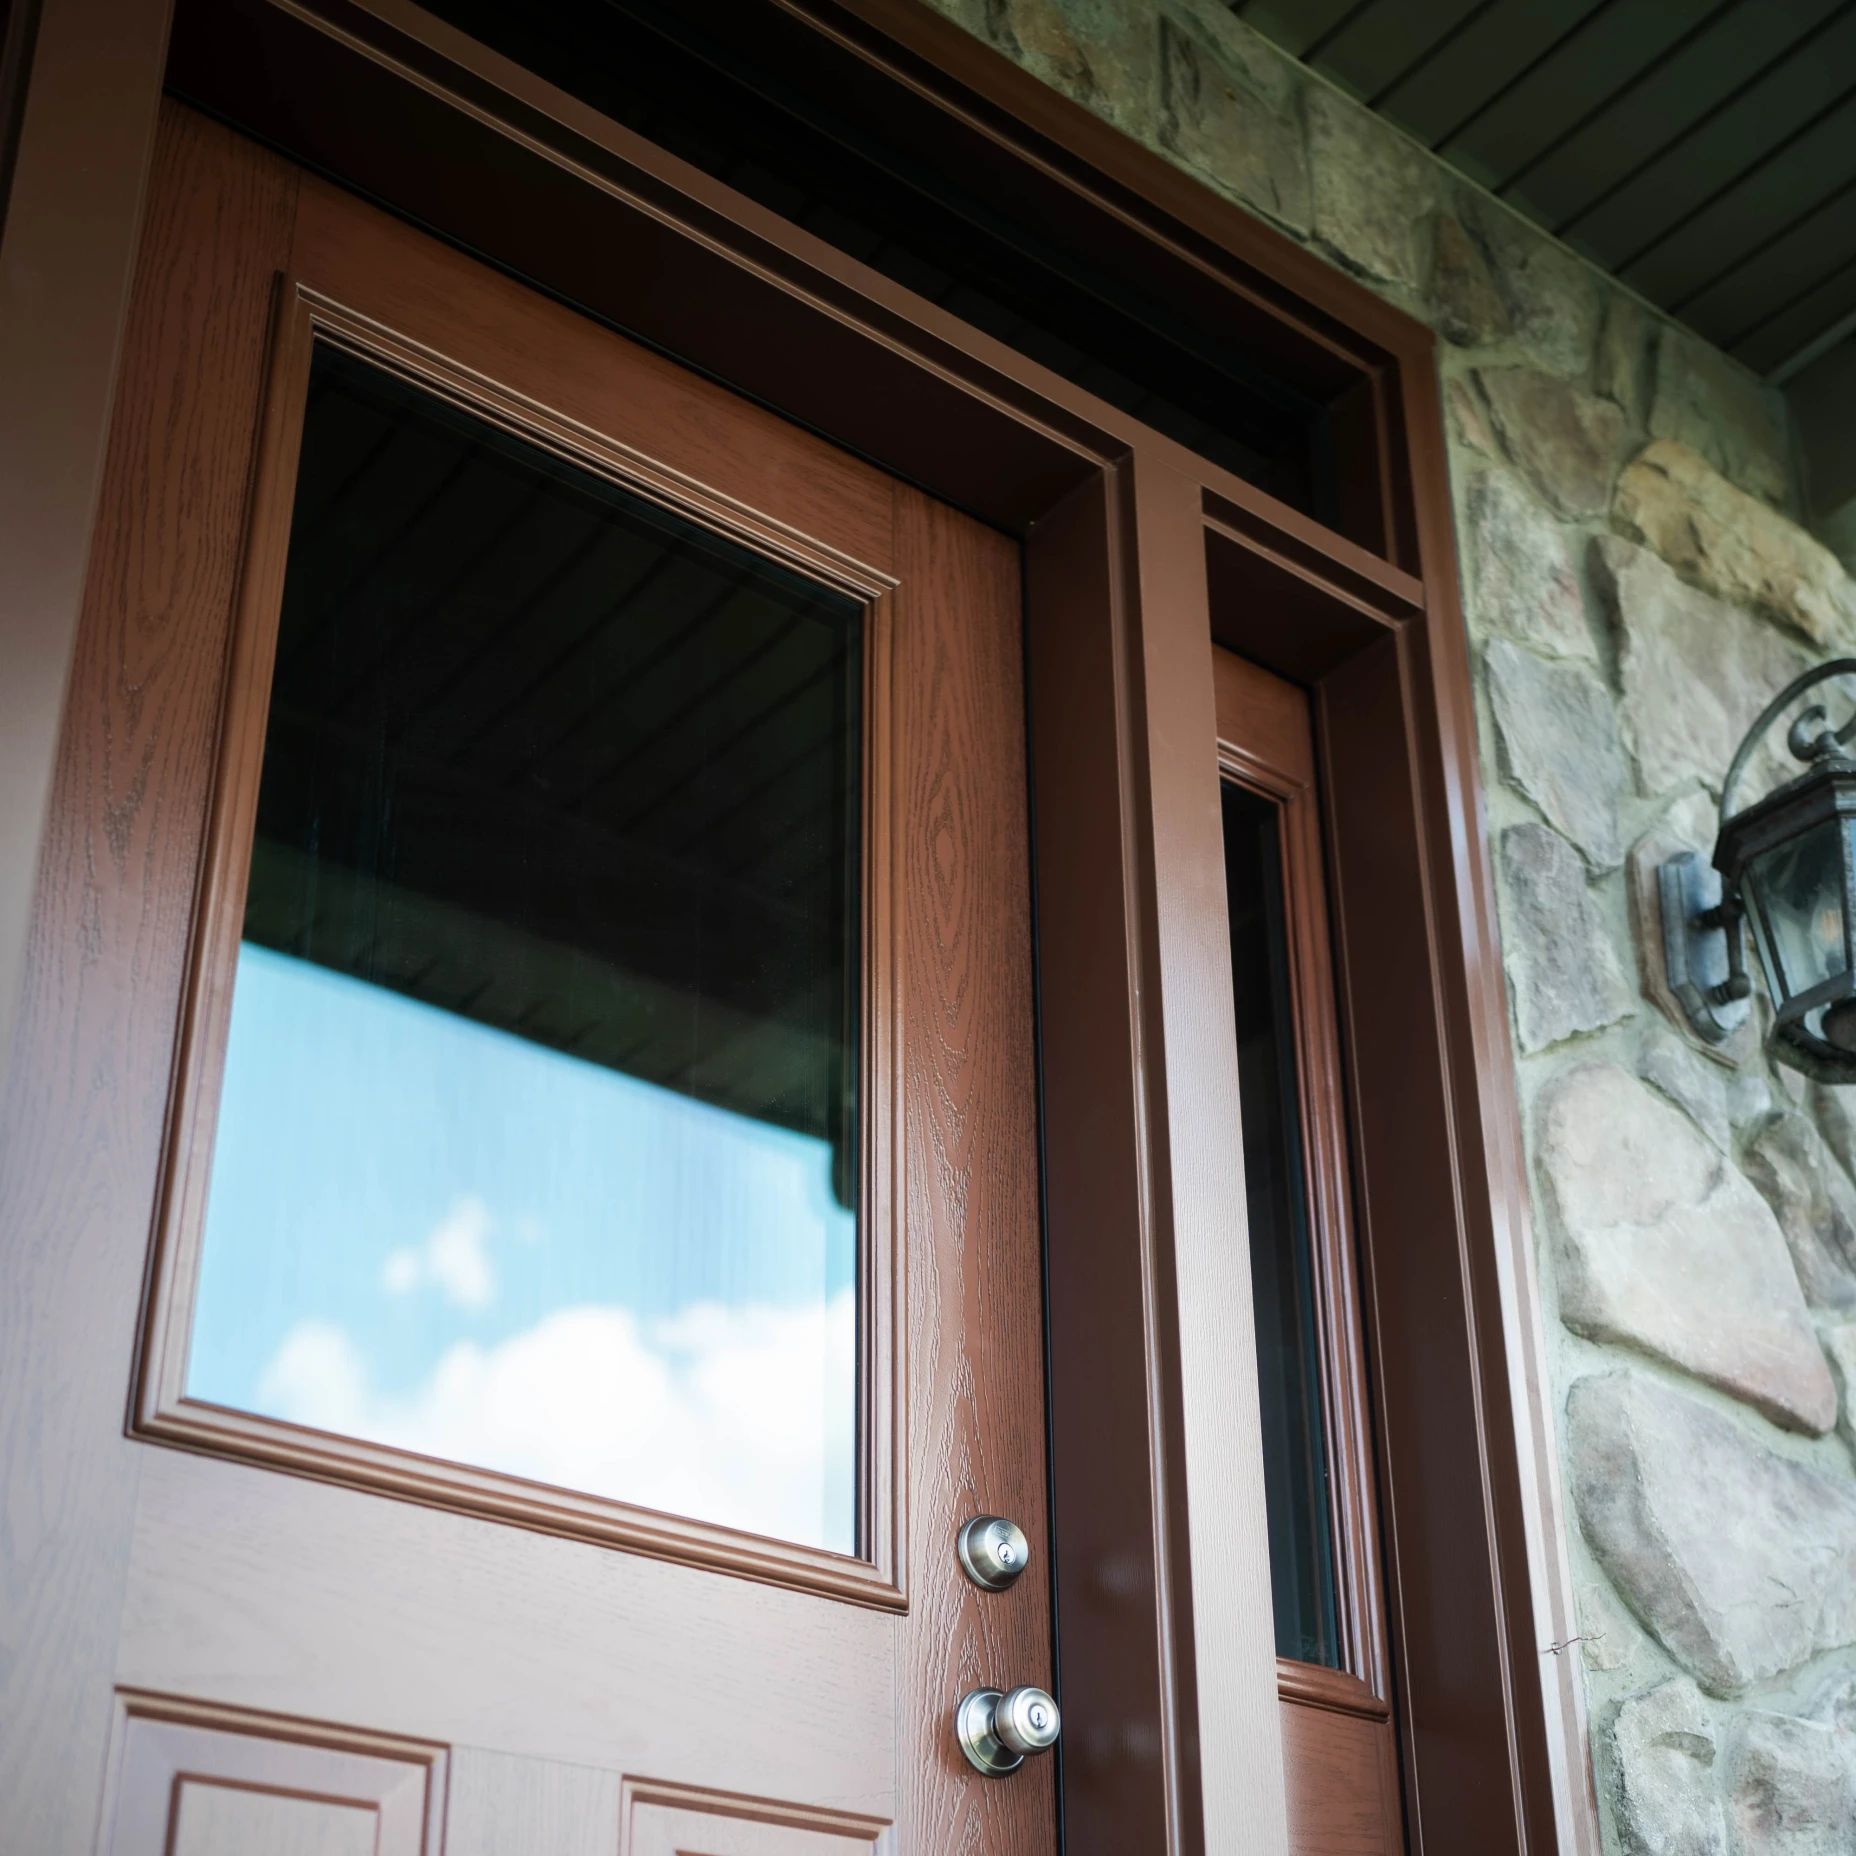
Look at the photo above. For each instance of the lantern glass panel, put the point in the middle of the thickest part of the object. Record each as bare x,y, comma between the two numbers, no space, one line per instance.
1796,888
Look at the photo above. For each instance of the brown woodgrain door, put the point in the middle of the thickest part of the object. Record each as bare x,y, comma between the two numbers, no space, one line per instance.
535,954
1339,1754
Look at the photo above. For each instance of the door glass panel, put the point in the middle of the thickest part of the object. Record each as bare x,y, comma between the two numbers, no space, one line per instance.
537,1145
1295,1466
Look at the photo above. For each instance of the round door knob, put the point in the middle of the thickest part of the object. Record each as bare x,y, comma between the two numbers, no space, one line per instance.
993,1551
996,1731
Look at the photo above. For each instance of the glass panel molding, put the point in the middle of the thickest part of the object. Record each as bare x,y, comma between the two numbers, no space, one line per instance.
537,1145
1295,1466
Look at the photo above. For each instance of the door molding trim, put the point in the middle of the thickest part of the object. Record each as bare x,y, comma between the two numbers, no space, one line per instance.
307,313
649,1810
162,1743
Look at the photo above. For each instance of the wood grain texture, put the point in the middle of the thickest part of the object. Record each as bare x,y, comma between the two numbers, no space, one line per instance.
81,1128
207,1782
494,327
1342,1775
676,1820
1263,722
74,162
501,1803
1125,1684
210,1819
975,449
280,1594
969,1168
219,911
412,111
1197,1181
1334,1689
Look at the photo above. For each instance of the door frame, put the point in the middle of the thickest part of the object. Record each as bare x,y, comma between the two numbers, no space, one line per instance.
1139,554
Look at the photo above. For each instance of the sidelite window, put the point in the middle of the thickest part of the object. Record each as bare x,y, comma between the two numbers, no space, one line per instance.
1295,1459
537,1144
1319,1482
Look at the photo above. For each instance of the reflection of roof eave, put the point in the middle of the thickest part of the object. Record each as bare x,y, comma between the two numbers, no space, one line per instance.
564,997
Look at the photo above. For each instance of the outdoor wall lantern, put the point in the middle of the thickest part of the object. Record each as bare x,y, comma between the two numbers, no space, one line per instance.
1785,866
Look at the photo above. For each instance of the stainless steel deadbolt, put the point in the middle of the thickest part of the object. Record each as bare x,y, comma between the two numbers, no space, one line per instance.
993,1551
996,1731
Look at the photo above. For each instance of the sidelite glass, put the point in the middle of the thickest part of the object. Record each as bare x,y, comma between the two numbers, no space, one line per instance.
1295,1465
537,1146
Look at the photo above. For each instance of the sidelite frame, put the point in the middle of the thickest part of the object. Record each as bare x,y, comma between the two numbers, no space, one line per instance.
1341,1757
376,312
1138,555
1262,749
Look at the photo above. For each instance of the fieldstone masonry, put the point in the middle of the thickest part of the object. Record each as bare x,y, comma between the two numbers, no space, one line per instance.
1742,1561
1558,735
1635,589
1693,670
1816,1206
1663,1246
1564,976
1663,1754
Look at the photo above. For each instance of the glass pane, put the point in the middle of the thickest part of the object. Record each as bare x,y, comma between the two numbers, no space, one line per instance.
1295,1468
537,1148
1798,888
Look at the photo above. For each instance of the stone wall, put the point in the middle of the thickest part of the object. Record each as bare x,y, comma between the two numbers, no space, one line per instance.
1635,591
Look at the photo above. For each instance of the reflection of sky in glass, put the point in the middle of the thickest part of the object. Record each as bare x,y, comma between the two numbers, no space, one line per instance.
429,1233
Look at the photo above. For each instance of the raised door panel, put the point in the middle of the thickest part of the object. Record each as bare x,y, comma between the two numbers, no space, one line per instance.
211,1819
501,1803
678,1821
191,1786
1341,1771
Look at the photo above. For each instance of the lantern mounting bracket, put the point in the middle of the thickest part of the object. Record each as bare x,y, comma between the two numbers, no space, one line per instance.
1704,957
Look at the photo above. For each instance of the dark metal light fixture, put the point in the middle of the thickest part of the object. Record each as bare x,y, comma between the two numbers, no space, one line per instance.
1784,866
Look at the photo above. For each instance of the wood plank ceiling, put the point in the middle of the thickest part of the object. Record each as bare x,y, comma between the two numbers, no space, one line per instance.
1704,151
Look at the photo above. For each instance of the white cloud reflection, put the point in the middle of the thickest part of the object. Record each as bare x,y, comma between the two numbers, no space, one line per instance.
739,1415
453,1258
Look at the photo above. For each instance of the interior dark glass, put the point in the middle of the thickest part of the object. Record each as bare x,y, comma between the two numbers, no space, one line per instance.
1295,1466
